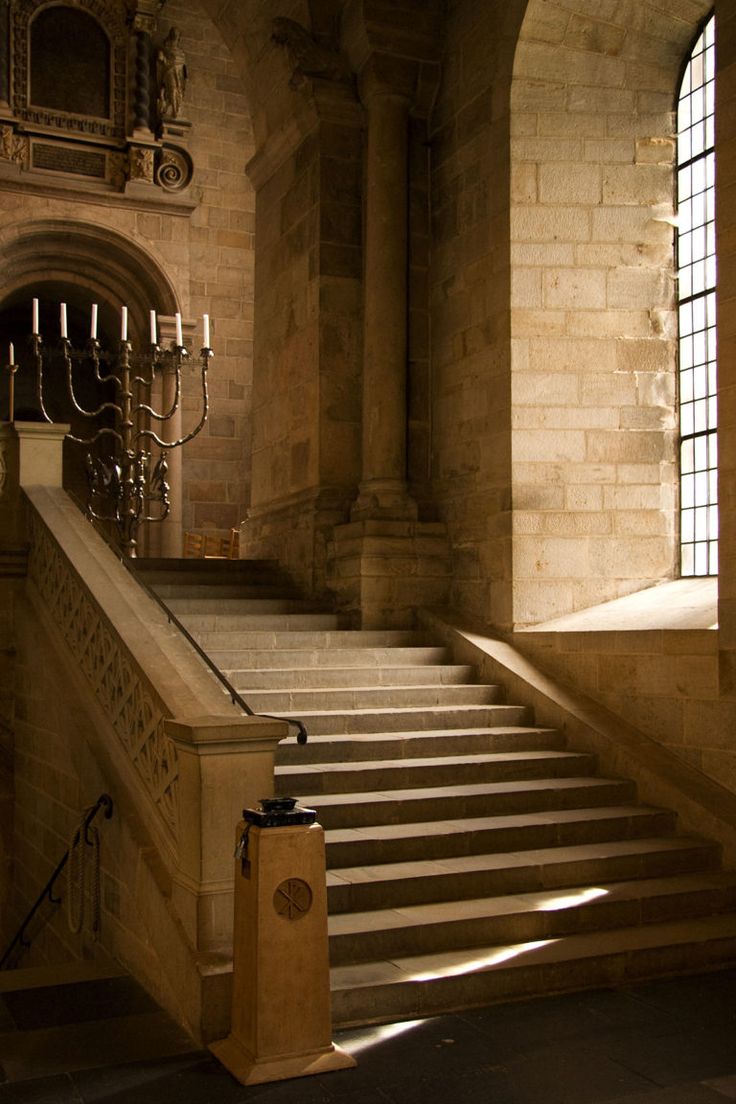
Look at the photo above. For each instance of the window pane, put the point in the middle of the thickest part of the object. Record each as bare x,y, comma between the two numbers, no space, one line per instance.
696,259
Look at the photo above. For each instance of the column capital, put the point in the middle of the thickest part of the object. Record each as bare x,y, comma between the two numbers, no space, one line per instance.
396,57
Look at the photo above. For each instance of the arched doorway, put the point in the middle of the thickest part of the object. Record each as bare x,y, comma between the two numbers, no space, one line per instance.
78,265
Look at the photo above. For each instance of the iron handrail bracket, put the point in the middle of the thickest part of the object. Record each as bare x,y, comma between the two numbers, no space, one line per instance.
104,801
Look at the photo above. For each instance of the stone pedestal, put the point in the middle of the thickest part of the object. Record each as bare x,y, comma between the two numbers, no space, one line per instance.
281,1022
30,455
382,570
222,763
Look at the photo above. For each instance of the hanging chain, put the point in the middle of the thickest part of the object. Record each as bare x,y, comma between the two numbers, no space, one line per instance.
83,880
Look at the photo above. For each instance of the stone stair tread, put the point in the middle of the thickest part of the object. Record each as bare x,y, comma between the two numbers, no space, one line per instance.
341,699
487,789
448,964
230,659
348,747
430,761
545,856
407,735
226,623
63,973
204,589
442,912
363,638
359,678
423,829
401,710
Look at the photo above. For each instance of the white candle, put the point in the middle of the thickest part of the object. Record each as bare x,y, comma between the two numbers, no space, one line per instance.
153,327
179,338
12,354
35,316
93,322
123,323
206,327
62,319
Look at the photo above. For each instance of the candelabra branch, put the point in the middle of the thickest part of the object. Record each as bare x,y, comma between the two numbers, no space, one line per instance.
145,408
106,431
36,353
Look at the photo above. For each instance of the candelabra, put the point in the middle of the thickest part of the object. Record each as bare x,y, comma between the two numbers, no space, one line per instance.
126,486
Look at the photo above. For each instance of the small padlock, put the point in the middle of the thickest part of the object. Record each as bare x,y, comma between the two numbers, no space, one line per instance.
241,852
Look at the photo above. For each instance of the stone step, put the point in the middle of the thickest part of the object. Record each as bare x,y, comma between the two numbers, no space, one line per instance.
354,678
347,748
352,810
423,985
386,720
329,642
212,612
67,1019
370,697
223,629
392,885
438,770
449,925
324,659
210,572
170,591
383,843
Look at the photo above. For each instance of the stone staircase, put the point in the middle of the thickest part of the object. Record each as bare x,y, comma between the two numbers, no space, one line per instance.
472,857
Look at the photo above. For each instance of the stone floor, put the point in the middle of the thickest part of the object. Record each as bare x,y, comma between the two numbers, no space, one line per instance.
660,1042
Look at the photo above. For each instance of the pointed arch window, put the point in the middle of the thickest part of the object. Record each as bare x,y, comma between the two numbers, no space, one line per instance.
696,262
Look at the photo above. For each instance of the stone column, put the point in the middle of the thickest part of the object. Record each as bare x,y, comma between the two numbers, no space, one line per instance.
383,491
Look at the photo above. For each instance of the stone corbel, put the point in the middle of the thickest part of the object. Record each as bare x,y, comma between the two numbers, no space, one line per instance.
308,57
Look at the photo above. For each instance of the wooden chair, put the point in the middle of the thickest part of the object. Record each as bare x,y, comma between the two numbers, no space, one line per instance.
210,547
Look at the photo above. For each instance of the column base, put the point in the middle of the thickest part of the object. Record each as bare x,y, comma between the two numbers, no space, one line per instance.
280,1067
383,499
383,570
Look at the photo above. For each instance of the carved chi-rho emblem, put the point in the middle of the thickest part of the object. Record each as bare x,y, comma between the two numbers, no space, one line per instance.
292,899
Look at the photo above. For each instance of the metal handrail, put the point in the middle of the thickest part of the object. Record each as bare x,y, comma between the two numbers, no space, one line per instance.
235,697
19,939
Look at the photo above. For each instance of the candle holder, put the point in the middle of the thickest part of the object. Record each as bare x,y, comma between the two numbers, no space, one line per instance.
126,486
11,369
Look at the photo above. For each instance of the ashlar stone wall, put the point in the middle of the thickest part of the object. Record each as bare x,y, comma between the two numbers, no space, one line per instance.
592,327
202,253
469,298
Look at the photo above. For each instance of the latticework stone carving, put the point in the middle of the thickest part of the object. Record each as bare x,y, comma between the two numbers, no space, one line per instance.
121,688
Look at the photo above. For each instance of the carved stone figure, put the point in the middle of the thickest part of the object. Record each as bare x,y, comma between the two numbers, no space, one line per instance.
171,74
141,164
13,147
309,58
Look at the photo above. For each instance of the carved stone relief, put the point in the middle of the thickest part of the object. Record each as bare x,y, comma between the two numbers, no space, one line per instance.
174,170
118,684
13,146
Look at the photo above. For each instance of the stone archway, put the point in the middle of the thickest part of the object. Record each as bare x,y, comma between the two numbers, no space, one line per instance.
592,318
80,264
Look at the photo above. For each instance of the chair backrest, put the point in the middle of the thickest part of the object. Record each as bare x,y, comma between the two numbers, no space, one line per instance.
211,547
